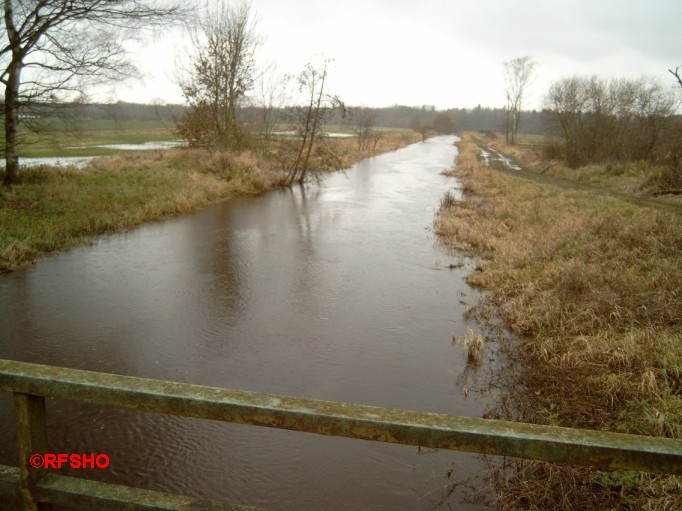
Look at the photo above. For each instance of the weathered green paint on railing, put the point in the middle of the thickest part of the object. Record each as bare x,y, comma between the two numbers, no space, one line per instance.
9,481
32,438
72,492
582,447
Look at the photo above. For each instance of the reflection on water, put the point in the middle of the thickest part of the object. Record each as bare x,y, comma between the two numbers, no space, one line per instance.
79,162
56,161
339,292
146,146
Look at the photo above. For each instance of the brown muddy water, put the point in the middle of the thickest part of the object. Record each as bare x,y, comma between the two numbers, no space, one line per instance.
336,292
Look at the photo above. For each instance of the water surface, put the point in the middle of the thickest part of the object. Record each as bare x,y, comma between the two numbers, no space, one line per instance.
336,292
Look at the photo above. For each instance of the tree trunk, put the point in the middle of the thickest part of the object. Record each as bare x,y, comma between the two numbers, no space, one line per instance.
12,123
507,126
311,142
316,123
515,127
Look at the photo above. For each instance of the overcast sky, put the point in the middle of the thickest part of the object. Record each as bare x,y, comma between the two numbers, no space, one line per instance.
447,53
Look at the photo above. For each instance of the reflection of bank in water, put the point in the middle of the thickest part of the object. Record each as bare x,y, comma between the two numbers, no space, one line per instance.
338,292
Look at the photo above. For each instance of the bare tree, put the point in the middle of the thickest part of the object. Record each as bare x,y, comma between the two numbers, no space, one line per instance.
311,115
444,123
52,49
565,104
269,97
364,119
419,126
600,120
518,74
676,74
222,69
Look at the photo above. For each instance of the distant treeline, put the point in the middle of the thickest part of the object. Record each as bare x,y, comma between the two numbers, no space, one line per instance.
119,111
532,122
397,116
465,119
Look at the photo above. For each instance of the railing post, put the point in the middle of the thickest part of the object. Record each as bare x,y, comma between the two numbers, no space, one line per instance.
32,438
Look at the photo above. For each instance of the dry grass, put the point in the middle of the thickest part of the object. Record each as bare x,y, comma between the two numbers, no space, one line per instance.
539,486
473,342
339,153
637,178
592,285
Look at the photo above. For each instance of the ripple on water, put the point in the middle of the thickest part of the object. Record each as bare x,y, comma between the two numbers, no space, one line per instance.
324,292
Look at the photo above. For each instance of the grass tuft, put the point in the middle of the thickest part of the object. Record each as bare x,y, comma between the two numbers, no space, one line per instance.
449,200
474,343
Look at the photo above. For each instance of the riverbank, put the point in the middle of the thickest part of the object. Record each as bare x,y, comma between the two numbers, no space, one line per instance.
53,209
591,284
291,292
637,179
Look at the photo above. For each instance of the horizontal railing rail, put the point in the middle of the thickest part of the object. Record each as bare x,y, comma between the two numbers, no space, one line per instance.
32,383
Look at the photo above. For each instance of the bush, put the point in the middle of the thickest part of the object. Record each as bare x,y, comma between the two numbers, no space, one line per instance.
449,200
664,180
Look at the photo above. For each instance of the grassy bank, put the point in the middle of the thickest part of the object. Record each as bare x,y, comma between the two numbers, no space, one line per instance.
637,178
591,285
53,209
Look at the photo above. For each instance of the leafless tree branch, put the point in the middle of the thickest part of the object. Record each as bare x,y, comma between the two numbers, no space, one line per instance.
518,75
676,74
53,49
222,71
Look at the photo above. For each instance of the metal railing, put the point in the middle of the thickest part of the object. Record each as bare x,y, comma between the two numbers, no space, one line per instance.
39,488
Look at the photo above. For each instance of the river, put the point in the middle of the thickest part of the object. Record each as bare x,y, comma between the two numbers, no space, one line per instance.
336,292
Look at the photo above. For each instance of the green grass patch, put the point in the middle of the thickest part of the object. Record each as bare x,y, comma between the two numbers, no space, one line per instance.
53,209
